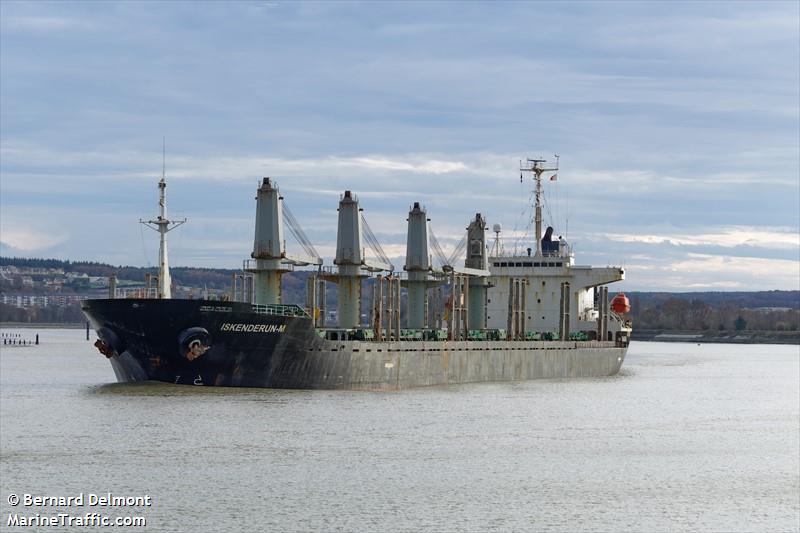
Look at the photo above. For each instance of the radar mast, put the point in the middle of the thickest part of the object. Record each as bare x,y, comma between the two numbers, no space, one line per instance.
538,167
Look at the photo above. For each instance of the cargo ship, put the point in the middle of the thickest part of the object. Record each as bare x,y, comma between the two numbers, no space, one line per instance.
478,315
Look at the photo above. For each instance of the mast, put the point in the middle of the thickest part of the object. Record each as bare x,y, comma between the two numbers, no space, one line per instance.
163,225
537,167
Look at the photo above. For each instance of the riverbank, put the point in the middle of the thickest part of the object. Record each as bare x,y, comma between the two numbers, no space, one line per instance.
43,325
721,337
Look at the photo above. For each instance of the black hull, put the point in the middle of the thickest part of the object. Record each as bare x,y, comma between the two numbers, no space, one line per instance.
244,348
228,344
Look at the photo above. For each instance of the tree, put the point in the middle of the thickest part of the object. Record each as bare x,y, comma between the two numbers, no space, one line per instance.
740,323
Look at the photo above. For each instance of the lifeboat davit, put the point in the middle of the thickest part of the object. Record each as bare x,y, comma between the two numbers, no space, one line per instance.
620,304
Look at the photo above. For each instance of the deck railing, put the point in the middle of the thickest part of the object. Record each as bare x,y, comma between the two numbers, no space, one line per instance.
281,310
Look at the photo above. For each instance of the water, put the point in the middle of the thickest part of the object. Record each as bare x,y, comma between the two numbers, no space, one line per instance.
686,437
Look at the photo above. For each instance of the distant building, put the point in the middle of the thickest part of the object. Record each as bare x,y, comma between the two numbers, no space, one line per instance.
24,301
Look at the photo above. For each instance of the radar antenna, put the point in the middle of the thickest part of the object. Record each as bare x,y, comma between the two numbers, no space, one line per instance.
497,247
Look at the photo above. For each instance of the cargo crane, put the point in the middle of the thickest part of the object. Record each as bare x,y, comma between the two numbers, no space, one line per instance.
270,257
351,259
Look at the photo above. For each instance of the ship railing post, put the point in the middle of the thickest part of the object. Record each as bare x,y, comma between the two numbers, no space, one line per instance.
454,308
311,298
377,307
465,311
460,306
391,314
397,307
564,312
567,310
389,306
323,299
561,313
359,290
597,307
387,310
450,322
602,317
510,318
516,309
605,313
520,306
523,309
437,307
440,307
512,309
517,291
371,308
382,298
457,306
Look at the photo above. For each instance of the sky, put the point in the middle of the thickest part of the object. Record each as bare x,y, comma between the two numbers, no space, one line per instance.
677,125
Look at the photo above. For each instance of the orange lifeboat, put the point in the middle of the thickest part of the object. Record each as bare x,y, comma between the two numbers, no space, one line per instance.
620,304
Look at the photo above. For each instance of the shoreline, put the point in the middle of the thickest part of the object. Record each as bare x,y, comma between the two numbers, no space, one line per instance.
739,337
42,325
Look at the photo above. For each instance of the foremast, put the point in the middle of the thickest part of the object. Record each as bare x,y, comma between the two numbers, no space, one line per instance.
163,225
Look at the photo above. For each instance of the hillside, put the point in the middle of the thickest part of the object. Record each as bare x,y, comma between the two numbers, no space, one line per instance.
651,311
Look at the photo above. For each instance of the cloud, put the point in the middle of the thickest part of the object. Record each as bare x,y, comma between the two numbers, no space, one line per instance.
20,156
45,24
411,29
28,240
431,166
758,237
713,272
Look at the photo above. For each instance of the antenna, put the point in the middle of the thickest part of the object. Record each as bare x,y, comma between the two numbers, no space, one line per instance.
497,247
163,157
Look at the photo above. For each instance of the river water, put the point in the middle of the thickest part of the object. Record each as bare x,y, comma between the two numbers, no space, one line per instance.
686,438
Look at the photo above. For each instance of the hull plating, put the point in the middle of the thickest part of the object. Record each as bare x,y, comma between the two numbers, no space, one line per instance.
226,344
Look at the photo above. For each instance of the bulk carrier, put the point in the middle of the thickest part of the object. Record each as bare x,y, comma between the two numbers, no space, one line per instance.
499,317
